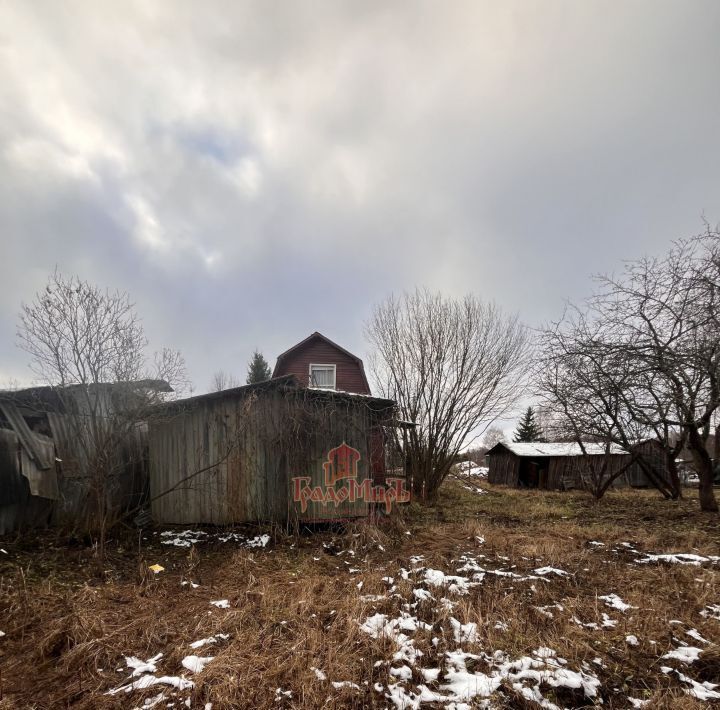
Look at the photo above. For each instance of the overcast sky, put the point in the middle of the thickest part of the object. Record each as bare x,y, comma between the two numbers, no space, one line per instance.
252,172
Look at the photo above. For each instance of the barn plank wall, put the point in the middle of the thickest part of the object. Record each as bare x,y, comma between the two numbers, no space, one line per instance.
504,469
568,472
258,443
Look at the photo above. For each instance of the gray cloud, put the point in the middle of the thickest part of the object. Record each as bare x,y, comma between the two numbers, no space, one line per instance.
251,172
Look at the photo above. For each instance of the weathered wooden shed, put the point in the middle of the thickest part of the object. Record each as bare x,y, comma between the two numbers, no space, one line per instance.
560,466
274,451
44,450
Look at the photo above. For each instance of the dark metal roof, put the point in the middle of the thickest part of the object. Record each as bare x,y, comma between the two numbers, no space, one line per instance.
273,383
320,336
285,382
554,449
50,398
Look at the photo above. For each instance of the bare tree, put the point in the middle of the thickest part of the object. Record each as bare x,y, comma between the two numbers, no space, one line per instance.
222,380
493,435
591,385
553,424
89,345
642,359
585,410
453,366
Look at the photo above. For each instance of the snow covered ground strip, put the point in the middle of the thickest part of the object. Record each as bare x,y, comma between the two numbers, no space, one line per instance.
457,683
463,674
680,558
466,675
187,538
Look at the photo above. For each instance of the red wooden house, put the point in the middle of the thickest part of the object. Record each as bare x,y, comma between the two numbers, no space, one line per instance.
319,362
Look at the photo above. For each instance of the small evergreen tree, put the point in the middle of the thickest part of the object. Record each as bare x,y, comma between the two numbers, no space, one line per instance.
528,429
258,369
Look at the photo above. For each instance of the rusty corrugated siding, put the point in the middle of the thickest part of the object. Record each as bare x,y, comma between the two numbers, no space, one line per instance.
18,508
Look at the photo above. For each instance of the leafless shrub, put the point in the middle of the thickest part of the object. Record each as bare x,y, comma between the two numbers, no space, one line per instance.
493,435
453,366
89,346
222,380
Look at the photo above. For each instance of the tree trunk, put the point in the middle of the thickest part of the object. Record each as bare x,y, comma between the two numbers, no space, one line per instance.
706,492
704,466
658,482
672,470
418,470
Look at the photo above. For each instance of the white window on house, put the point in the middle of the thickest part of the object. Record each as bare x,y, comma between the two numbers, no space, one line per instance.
322,376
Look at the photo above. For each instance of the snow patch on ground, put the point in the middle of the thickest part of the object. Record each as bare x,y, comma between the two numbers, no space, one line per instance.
685,654
464,633
606,623
147,681
614,602
210,639
701,691
679,558
471,470
320,675
457,683
473,489
143,670
545,610
187,538
453,583
151,702
525,674
551,570
712,611
139,667
196,664
695,634
381,626
422,594
345,684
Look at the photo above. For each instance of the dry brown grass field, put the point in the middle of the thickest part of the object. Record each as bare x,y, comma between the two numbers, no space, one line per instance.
489,599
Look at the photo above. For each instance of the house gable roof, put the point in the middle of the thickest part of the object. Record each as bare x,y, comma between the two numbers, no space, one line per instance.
319,336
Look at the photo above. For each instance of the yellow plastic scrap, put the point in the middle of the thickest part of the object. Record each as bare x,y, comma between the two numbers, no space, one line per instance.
156,568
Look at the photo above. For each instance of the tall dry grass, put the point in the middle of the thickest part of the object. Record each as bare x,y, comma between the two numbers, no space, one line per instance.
297,605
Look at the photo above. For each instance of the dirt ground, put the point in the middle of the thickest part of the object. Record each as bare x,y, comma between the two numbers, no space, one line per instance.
490,597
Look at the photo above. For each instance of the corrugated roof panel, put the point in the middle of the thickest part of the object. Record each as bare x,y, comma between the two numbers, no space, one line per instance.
550,449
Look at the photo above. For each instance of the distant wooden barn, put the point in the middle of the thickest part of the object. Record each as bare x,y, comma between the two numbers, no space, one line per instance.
274,451
561,466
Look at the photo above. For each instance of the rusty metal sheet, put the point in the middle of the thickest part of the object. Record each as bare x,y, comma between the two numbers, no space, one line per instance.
28,438
43,482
